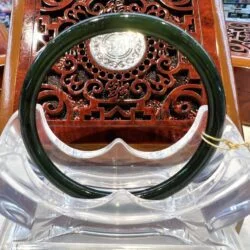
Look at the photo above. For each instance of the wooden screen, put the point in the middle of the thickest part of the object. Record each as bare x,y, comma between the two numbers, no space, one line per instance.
155,101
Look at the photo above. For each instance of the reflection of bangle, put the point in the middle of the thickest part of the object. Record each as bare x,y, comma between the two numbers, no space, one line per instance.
111,23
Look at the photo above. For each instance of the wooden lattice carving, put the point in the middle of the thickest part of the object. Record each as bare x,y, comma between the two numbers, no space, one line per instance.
159,96
239,38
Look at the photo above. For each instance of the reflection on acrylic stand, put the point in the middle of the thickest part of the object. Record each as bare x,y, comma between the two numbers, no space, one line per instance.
38,215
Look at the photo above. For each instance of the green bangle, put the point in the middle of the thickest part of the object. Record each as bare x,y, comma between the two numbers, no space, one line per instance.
148,25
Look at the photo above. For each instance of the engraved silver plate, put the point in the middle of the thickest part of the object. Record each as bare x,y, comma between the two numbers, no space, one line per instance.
118,50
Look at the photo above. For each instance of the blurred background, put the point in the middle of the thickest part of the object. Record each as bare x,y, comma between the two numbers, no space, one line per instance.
5,11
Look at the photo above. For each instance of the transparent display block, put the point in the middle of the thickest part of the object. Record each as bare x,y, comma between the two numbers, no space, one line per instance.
39,216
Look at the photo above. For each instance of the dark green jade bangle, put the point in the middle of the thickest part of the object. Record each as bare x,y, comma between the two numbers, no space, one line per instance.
147,25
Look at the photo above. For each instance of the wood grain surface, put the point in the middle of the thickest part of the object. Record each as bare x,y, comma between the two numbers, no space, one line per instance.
242,77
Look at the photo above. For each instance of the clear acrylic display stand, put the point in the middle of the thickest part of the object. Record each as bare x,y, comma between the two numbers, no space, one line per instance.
36,215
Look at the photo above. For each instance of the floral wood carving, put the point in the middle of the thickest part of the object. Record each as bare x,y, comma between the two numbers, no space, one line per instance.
239,38
162,87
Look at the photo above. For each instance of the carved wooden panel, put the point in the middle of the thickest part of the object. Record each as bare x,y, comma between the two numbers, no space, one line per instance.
239,38
155,100
162,87
56,16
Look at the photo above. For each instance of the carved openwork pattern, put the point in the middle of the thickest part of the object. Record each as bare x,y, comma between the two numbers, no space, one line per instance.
239,38
56,16
163,86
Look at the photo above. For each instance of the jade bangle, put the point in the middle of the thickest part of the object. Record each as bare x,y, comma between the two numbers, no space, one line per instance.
147,25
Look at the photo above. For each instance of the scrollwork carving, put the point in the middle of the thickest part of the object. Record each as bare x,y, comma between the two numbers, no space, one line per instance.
55,102
239,38
57,16
183,102
93,88
181,5
161,86
54,5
